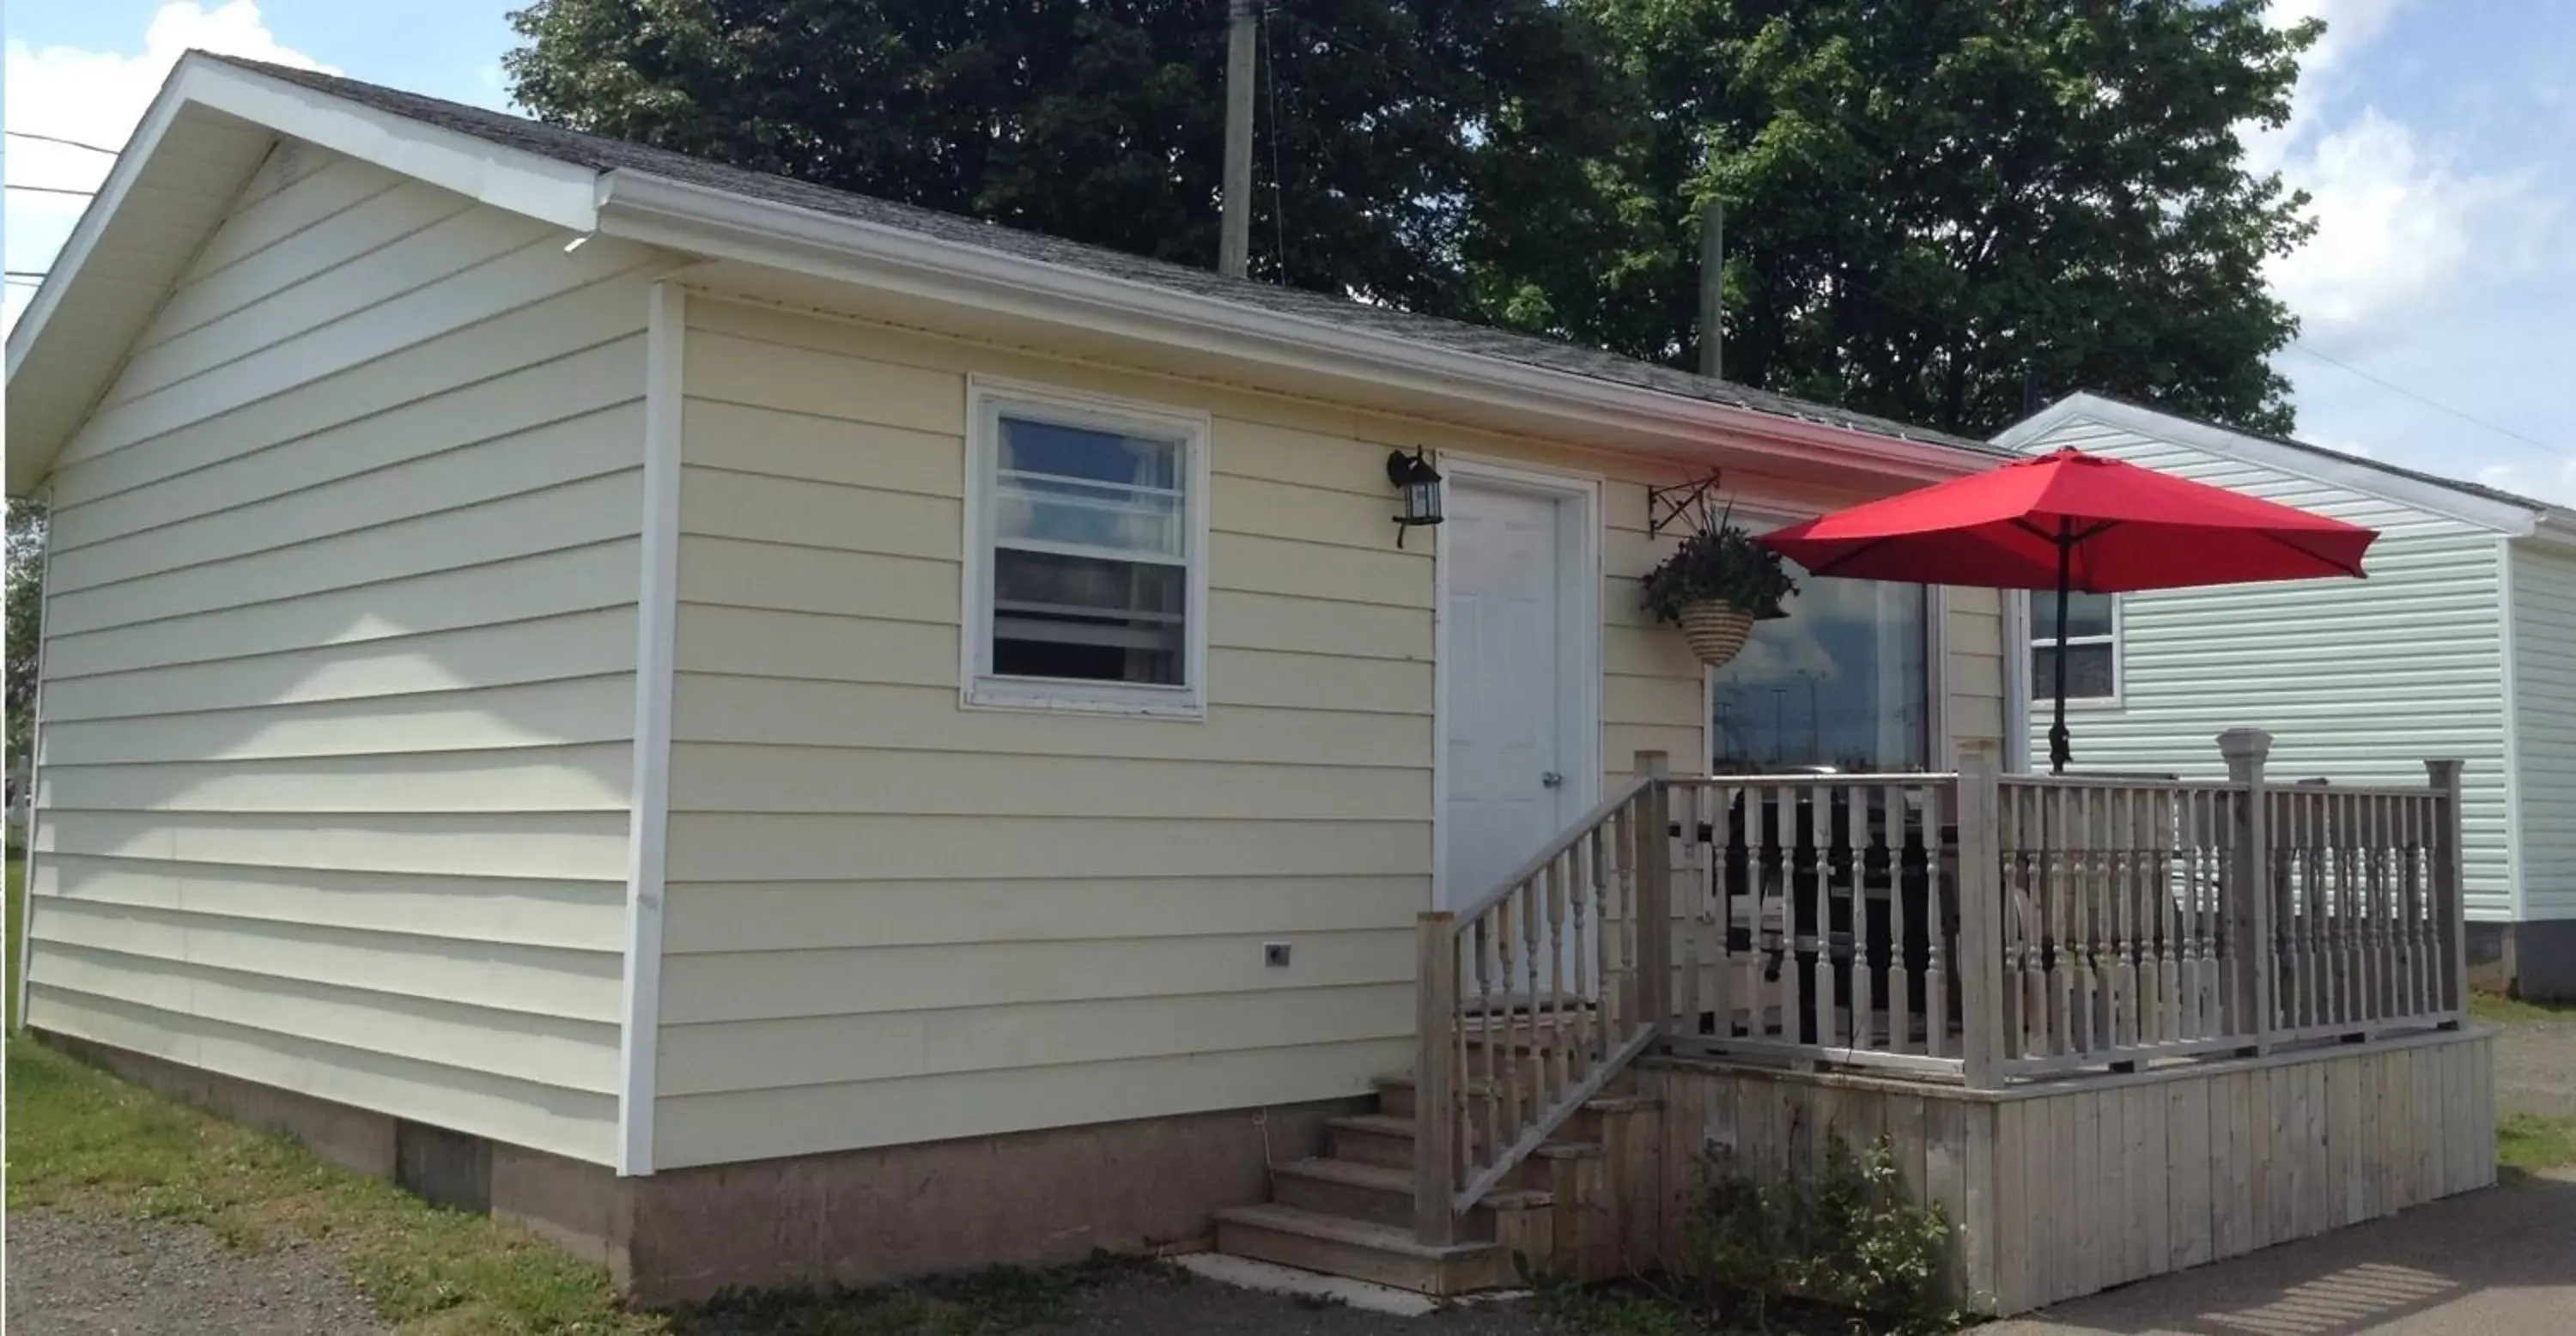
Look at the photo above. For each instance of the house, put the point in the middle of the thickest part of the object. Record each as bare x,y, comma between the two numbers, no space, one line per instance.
2461,641
773,735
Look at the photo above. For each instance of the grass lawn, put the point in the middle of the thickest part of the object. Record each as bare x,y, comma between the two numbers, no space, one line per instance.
2528,1140
2497,1009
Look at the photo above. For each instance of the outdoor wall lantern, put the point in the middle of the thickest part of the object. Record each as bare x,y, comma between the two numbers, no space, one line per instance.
1419,484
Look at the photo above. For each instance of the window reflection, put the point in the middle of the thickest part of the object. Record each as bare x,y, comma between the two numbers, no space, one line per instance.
1839,682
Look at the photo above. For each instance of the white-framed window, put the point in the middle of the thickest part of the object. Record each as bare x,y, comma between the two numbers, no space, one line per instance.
1086,553
2092,647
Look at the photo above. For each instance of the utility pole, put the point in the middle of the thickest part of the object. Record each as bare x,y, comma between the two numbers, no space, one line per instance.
1712,299
1234,233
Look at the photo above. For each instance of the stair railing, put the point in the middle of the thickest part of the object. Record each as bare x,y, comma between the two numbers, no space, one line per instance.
1535,995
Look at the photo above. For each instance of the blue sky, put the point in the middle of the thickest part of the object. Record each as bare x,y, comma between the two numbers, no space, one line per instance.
2438,137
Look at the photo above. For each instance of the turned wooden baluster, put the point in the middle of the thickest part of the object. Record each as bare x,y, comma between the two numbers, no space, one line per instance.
1856,823
1820,971
2189,839
2124,888
2169,976
1900,965
1580,953
1936,931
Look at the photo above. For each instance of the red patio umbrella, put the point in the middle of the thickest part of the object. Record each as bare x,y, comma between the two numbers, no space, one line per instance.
2073,521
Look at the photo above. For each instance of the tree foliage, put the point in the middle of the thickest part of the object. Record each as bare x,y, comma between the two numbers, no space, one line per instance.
1103,121
25,598
1933,207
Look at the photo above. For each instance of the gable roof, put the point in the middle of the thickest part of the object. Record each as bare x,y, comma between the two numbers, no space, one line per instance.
585,181
2476,503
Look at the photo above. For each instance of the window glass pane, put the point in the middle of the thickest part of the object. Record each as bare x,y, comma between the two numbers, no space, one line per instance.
2086,615
1088,618
1030,446
2088,673
1044,509
1078,487
1838,682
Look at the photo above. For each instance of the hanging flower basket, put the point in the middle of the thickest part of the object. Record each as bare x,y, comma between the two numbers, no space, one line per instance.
1715,586
1716,630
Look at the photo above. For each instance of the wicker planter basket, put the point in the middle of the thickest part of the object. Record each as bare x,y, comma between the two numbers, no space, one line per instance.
1716,630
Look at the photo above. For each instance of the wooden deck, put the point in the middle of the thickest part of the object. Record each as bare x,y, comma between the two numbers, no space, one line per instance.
2115,1026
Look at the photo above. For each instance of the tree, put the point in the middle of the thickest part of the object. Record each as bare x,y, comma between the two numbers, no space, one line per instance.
1103,122
25,596
1933,207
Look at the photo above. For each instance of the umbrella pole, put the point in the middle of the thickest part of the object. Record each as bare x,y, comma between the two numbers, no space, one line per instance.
2061,748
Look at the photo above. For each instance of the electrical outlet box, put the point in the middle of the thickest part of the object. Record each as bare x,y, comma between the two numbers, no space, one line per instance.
1275,955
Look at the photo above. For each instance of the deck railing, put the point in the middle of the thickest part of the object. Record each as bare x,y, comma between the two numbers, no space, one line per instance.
1817,917
1969,928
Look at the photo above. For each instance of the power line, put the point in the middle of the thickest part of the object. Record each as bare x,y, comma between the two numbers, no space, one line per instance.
2435,404
26,273
50,190
58,139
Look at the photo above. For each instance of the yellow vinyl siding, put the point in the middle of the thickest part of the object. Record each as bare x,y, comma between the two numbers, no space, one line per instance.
1975,666
890,918
340,657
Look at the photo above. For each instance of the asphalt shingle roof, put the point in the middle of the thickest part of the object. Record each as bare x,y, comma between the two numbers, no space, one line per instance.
600,153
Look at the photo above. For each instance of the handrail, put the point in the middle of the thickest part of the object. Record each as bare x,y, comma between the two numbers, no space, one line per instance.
1554,849
1534,996
1810,781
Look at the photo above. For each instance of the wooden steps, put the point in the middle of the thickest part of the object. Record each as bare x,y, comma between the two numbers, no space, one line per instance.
1361,1249
1349,1211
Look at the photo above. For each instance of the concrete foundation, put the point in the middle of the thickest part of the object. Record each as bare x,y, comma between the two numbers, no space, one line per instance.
850,1218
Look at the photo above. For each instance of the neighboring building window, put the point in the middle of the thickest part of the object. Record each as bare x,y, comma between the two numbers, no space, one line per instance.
2092,646
1087,534
1840,682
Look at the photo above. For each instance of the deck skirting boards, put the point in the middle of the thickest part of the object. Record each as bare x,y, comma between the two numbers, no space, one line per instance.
2063,1189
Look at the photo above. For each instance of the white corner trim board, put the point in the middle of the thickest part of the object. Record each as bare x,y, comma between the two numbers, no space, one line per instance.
35,770
650,796
2515,832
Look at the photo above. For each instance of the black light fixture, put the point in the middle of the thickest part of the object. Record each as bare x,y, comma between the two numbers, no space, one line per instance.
1419,483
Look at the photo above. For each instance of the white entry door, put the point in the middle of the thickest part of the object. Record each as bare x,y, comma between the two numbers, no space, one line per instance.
1514,670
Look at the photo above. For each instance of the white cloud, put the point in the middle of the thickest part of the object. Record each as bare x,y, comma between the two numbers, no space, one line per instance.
2350,26
95,97
2398,220
2396,223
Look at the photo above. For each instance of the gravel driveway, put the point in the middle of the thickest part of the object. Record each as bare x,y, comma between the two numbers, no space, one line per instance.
74,1275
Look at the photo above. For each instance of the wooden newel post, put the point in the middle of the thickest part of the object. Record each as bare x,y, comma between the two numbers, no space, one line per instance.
1981,925
1435,1094
2450,888
1655,893
2250,907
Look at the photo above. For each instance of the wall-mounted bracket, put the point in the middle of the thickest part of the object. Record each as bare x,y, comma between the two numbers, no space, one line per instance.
1689,501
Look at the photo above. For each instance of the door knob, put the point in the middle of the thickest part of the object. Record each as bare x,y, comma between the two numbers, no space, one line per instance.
1550,779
